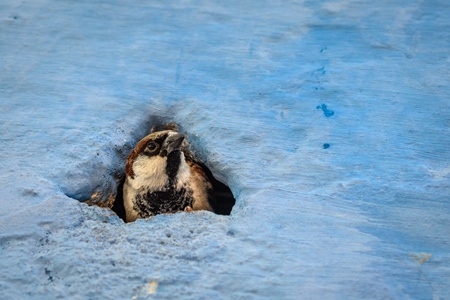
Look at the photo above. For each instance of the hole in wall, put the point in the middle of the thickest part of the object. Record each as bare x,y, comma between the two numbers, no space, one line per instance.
224,199
118,206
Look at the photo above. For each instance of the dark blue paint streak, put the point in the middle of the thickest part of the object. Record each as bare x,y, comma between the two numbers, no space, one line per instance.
327,112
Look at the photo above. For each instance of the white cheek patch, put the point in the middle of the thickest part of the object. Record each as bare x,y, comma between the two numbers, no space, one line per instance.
149,172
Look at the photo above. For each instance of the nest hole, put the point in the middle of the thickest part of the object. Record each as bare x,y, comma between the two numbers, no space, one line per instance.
104,196
224,197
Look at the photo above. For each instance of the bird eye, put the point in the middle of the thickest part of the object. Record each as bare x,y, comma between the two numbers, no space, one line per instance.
152,146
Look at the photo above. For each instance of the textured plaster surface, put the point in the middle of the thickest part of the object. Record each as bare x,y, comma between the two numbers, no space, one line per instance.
329,120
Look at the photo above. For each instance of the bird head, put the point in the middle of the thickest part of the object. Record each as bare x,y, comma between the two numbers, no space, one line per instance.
149,159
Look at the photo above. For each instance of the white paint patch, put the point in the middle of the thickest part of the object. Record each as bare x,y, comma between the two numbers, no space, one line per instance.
420,258
440,173
334,7
149,289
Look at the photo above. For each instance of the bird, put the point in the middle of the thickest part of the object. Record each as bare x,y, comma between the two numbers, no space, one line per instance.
162,176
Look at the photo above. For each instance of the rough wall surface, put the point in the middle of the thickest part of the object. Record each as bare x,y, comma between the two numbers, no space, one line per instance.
329,120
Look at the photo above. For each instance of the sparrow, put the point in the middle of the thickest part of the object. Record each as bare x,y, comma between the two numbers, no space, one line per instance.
161,176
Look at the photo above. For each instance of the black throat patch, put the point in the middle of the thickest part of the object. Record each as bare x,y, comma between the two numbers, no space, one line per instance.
151,203
169,199
172,166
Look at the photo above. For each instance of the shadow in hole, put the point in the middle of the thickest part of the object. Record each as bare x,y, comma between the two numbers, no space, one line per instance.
118,206
223,204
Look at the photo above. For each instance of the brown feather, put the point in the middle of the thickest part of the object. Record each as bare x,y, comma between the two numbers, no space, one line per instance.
196,168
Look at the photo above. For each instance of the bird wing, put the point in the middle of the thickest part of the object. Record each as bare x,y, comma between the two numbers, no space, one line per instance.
220,196
206,189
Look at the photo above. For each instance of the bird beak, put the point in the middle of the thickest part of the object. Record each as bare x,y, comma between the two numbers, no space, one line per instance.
173,142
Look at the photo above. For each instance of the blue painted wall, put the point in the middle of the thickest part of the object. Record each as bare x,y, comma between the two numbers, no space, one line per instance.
329,120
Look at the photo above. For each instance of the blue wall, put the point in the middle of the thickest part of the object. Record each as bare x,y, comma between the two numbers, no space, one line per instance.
330,121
